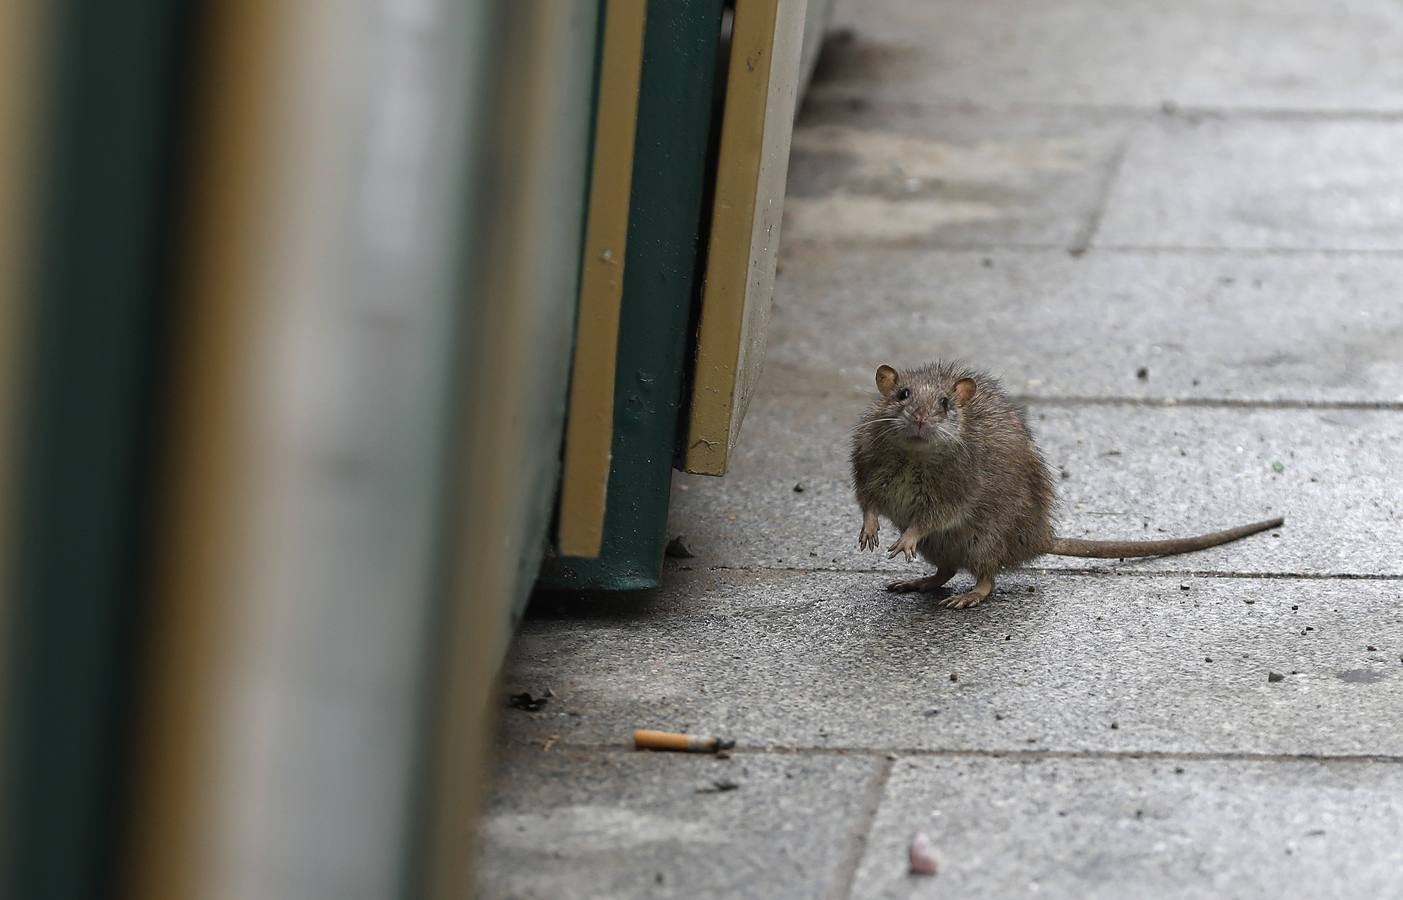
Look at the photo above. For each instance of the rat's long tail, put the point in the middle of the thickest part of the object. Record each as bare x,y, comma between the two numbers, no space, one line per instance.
1123,549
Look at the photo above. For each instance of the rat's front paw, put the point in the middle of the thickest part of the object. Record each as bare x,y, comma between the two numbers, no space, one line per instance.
906,545
867,540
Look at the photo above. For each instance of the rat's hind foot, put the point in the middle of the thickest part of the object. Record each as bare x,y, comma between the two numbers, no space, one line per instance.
974,597
965,600
922,585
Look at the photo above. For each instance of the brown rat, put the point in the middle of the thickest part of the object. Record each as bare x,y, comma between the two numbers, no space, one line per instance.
948,458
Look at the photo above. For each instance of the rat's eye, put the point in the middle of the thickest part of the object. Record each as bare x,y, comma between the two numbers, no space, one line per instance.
904,394
944,404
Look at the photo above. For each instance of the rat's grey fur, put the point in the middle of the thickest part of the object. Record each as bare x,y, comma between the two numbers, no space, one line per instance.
967,484
977,487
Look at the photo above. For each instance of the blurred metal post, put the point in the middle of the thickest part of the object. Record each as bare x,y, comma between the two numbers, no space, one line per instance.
529,168
366,439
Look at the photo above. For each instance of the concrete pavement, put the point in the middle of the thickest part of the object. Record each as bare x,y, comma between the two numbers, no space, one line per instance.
1067,194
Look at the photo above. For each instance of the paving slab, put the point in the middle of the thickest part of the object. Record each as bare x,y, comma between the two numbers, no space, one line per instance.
1297,55
1011,51
1299,328
1053,663
570,824
1243,183
1130,471
1140,828
889,172
1288,54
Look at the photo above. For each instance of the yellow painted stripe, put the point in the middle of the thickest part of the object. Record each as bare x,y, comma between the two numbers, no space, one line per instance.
589,427
178,756
757,122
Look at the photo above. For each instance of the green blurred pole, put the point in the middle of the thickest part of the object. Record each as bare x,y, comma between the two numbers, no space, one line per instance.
110,153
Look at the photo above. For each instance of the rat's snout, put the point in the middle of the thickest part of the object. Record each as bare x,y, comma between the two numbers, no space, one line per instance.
919,419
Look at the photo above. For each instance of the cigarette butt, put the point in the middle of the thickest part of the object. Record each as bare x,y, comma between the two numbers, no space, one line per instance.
643,739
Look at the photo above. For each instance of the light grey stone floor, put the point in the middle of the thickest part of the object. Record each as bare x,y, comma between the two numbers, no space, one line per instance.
1066,193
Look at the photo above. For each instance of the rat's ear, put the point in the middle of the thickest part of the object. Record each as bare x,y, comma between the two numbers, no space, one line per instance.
964,391
886,380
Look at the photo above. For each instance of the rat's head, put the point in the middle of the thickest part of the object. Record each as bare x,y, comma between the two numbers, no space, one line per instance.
925,406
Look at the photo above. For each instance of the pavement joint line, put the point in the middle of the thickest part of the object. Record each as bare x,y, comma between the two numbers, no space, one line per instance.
1168,574
1266,252
1165,109
1244,403
1031,755
1086,235
867,820
1031,247
1211,403
1074,755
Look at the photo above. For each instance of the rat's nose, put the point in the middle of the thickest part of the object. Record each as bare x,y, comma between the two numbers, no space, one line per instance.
919,420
